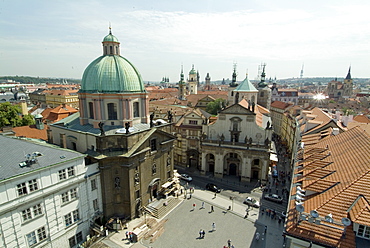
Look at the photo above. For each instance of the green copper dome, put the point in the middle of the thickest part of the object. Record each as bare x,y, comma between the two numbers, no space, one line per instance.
110,37
111,74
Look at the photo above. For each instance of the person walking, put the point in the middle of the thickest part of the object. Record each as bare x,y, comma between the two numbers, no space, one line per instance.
265,230
229,243
200,233
202,205
203,233
193,206
215,196
213,226
212,210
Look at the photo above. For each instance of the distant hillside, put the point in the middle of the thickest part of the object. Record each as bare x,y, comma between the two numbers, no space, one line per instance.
38,80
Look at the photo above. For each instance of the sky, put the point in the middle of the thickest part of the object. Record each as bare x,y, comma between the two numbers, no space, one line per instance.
60,38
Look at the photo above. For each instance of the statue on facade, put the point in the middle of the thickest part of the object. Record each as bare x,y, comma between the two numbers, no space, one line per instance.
101,125
169,114
151,119
127,126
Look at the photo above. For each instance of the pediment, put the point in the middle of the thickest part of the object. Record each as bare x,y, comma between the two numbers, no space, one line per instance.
237,109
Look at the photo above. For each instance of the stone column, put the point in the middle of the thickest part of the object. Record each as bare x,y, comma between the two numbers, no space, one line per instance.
264,170
203,165
219,164
247,162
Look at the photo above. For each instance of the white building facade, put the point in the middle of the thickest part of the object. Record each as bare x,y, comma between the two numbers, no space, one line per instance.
48,198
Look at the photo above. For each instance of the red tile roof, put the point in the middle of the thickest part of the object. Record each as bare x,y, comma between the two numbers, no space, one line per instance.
335,172
31,132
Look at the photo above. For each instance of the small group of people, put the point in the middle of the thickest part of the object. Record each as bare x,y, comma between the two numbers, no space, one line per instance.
130,236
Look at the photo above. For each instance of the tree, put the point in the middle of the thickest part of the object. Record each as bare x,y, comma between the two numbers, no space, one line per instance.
215,106
28,120
10,115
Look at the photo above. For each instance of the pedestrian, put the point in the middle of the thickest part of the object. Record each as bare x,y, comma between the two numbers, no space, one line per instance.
215,195
200,233
246,215
203,233
265,229
212,210
202,205
229,243
213,226
126,235
193,205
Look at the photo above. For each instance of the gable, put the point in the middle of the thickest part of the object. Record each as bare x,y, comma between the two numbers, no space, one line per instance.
237,109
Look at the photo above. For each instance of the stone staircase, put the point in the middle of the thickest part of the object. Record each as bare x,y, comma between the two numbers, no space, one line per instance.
161,207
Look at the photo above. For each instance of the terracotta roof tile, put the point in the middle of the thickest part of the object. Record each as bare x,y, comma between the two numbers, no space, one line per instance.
338,178
31,132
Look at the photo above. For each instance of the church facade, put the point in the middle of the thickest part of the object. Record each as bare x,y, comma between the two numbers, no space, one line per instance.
115,130
238,143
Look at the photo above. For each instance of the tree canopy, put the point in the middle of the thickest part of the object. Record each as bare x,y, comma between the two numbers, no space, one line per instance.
215,106
10,115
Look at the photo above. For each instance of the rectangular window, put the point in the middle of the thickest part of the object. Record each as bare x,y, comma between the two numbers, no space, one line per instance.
363,231
32,184
95,204
68,219
73,194
79,237
193,122
31,238
112,111
153,144
65,197
71,171
91,110
26,214
62,174
93,185
22,189
41,233
37,210
76,215
72,242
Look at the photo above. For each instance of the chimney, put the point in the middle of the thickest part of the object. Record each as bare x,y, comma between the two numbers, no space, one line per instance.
50,135
335,131
63,140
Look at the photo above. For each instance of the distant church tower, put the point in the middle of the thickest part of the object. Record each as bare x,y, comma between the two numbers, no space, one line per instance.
182,86
193,82
208,82
348,85
264,92
232,87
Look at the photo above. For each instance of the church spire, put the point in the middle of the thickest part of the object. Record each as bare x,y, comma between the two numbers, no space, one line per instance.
233,81
348,77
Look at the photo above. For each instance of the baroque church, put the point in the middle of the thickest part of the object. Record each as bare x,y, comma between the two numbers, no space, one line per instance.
116,131
239,142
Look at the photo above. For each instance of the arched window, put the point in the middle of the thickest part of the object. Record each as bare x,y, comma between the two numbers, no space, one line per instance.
112,111
111,50
91,110
136,109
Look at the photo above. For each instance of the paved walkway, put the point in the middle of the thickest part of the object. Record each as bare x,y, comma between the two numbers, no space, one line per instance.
184,223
